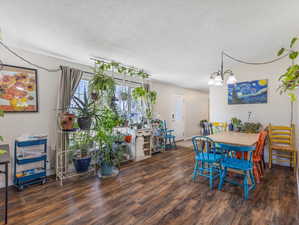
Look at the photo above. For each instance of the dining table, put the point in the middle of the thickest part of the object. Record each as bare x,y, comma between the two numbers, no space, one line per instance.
235,138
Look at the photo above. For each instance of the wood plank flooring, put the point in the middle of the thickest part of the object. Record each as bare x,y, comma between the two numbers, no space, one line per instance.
156,191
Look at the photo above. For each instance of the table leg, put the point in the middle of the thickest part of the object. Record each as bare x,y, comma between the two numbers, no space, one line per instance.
6,191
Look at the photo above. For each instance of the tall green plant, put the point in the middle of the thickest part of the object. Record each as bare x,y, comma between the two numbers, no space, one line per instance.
289,81
85,107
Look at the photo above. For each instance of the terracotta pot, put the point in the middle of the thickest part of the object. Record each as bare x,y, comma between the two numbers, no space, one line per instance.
128,138
67,121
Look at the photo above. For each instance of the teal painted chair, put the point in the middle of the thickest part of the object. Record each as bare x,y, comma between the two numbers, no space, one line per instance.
240,163
169,137
206,159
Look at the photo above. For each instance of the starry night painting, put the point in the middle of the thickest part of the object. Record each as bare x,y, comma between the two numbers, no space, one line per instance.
249,92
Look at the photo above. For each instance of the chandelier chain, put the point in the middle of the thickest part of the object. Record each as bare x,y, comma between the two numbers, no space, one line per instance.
254,63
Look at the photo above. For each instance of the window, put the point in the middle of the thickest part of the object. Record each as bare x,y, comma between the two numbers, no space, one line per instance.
125,104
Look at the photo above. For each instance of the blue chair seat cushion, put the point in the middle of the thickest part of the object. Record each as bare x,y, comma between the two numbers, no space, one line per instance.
234,163
208,157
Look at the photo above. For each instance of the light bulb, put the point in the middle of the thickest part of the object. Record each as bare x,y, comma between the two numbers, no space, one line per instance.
218,82
231,79
211,81
218,78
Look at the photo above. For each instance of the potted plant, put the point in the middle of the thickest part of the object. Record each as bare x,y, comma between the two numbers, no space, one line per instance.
85,110
81,143
147,99
251,127
67,121
106,120
124,96
236,123
289,81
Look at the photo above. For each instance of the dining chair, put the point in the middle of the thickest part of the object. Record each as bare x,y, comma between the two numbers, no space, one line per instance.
207,129
258,154
169,137
230,161
282,145
206,159
219,127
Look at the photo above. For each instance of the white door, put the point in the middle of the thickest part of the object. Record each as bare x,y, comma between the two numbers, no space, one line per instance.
178,116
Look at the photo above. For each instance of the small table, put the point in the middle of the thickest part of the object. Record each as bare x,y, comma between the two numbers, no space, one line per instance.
235,138
4,160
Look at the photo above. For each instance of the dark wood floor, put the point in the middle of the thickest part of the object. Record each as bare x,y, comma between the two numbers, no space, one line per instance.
156,191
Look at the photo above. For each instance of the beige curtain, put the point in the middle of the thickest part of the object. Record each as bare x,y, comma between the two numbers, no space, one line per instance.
69,81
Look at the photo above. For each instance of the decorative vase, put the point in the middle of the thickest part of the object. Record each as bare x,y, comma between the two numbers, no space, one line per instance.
84,123
67,121
81,164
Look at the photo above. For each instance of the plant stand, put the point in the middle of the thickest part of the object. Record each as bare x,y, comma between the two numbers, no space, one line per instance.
64,165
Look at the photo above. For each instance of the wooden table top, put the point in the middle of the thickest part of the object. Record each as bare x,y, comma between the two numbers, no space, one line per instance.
235,138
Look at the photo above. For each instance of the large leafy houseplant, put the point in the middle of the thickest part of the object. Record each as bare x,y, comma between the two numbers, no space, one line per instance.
290,79
106,117
85,111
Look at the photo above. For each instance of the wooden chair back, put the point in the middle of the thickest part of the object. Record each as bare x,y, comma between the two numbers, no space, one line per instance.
219,127
259,150
281,135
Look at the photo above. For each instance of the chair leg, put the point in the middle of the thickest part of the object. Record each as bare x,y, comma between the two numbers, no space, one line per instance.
295,161
256,172
245,185
270,158
174,143
262,168
252,179
195,170
222,177
211,177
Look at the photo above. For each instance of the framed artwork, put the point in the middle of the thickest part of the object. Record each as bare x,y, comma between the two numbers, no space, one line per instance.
249,92
18,89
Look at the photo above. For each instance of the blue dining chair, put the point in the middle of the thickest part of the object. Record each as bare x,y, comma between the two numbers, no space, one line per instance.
169,137
240,163
206,159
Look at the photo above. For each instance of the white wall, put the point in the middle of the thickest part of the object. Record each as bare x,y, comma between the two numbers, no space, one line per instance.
14,125
196,106
278,109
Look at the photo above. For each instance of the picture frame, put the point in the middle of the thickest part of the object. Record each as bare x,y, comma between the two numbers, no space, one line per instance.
248,92
18,89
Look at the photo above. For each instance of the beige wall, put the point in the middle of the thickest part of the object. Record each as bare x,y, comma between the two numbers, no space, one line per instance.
196,106
14,125
278,109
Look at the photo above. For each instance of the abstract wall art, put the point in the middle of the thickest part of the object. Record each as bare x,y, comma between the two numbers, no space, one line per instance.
18,89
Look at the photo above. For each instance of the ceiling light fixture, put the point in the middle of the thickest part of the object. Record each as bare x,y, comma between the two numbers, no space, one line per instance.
217,78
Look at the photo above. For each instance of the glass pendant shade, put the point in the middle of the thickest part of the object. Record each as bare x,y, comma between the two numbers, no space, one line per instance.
211,81
231,79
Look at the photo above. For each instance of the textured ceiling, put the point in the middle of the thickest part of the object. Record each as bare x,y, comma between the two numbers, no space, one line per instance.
176,41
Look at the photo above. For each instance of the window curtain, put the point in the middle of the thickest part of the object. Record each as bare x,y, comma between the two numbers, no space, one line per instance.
69,81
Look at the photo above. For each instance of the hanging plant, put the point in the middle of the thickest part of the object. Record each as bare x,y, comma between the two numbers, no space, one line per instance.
147,97
290,79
